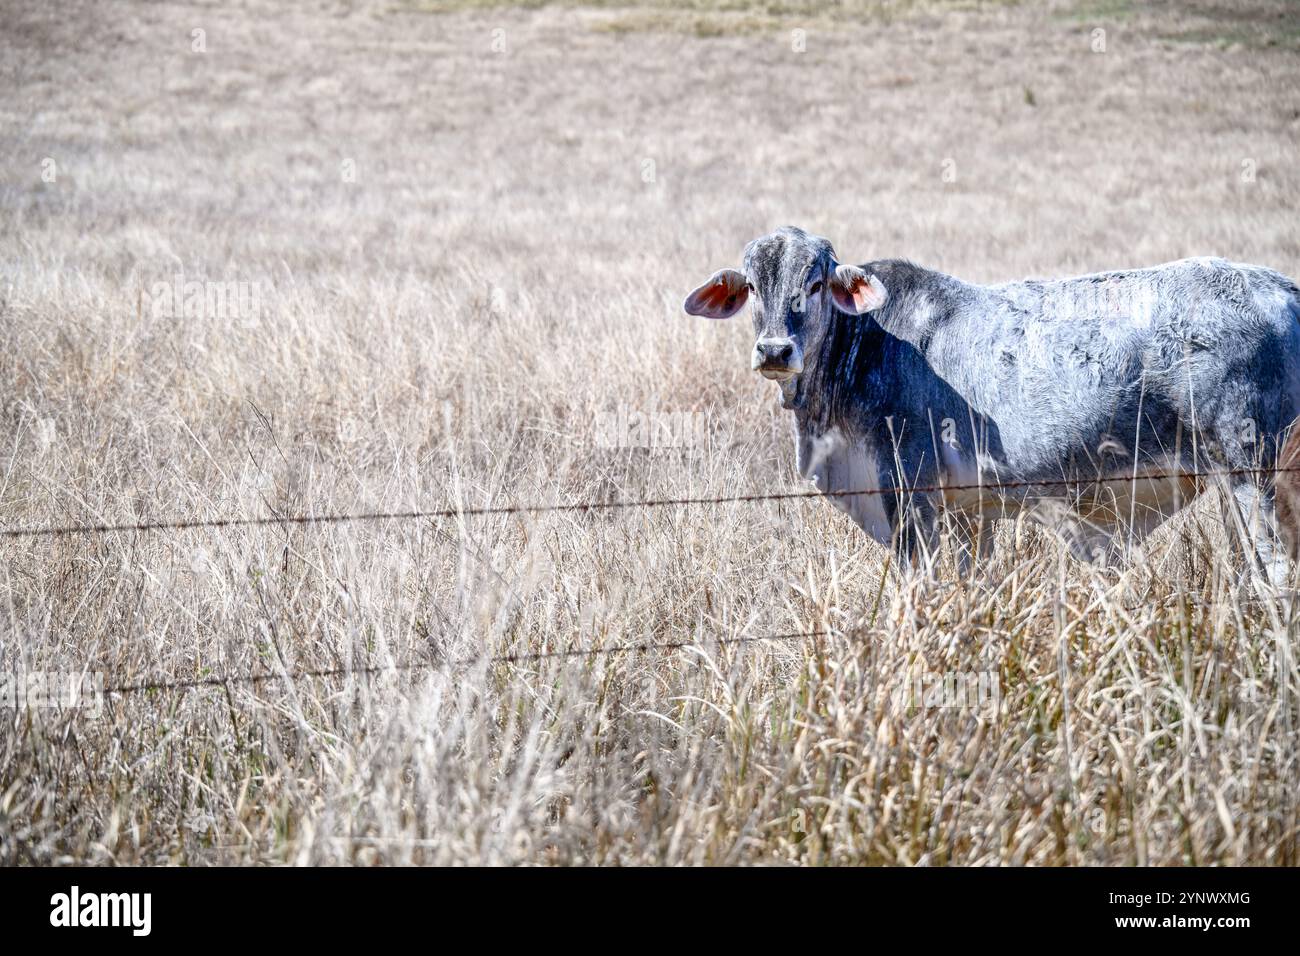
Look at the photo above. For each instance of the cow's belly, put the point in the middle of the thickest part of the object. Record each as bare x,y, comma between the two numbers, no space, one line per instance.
1142,496
1151,495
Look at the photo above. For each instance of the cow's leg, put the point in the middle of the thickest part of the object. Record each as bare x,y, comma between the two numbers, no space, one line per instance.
1153,503
971,537
1135,532
916,539
1264,548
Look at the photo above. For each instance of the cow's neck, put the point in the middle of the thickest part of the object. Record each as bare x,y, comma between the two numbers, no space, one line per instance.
845,380
855,377
856,372
917,297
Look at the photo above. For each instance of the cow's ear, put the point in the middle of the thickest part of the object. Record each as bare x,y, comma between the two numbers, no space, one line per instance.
719,298
855,291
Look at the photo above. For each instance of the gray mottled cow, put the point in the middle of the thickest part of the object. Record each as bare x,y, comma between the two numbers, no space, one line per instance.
902,378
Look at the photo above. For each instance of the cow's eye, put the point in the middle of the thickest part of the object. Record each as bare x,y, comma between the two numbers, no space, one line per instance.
815,287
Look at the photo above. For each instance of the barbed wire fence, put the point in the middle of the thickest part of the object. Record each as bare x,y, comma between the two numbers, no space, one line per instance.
226,523
616,505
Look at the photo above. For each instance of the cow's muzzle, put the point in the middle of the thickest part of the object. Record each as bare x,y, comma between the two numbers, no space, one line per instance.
777,359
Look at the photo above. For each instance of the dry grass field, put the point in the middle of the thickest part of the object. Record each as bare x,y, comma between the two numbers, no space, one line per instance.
458,236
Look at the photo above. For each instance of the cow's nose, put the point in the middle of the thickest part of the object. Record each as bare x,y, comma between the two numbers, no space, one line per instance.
775,351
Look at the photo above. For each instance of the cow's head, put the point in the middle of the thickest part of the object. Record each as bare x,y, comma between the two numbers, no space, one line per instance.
796,287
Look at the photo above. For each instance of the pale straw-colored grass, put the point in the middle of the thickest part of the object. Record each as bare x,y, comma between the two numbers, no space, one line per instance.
458,324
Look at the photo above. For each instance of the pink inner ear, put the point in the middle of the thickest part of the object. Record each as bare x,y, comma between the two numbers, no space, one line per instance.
715,299
719,299
868,294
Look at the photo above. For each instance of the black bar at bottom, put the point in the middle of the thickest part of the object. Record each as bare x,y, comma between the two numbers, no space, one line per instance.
342,906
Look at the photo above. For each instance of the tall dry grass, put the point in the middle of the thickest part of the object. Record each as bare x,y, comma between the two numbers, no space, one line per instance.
460,314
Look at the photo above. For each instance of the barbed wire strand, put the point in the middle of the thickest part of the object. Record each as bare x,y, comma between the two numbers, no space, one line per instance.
214,680
588,506
588,652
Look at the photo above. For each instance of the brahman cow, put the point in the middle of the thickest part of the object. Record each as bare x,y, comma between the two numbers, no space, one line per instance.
924,390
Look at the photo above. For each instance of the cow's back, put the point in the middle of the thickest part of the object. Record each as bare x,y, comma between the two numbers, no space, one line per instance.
1064,366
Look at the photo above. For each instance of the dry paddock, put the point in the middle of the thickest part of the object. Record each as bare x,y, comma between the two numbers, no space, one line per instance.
462,236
